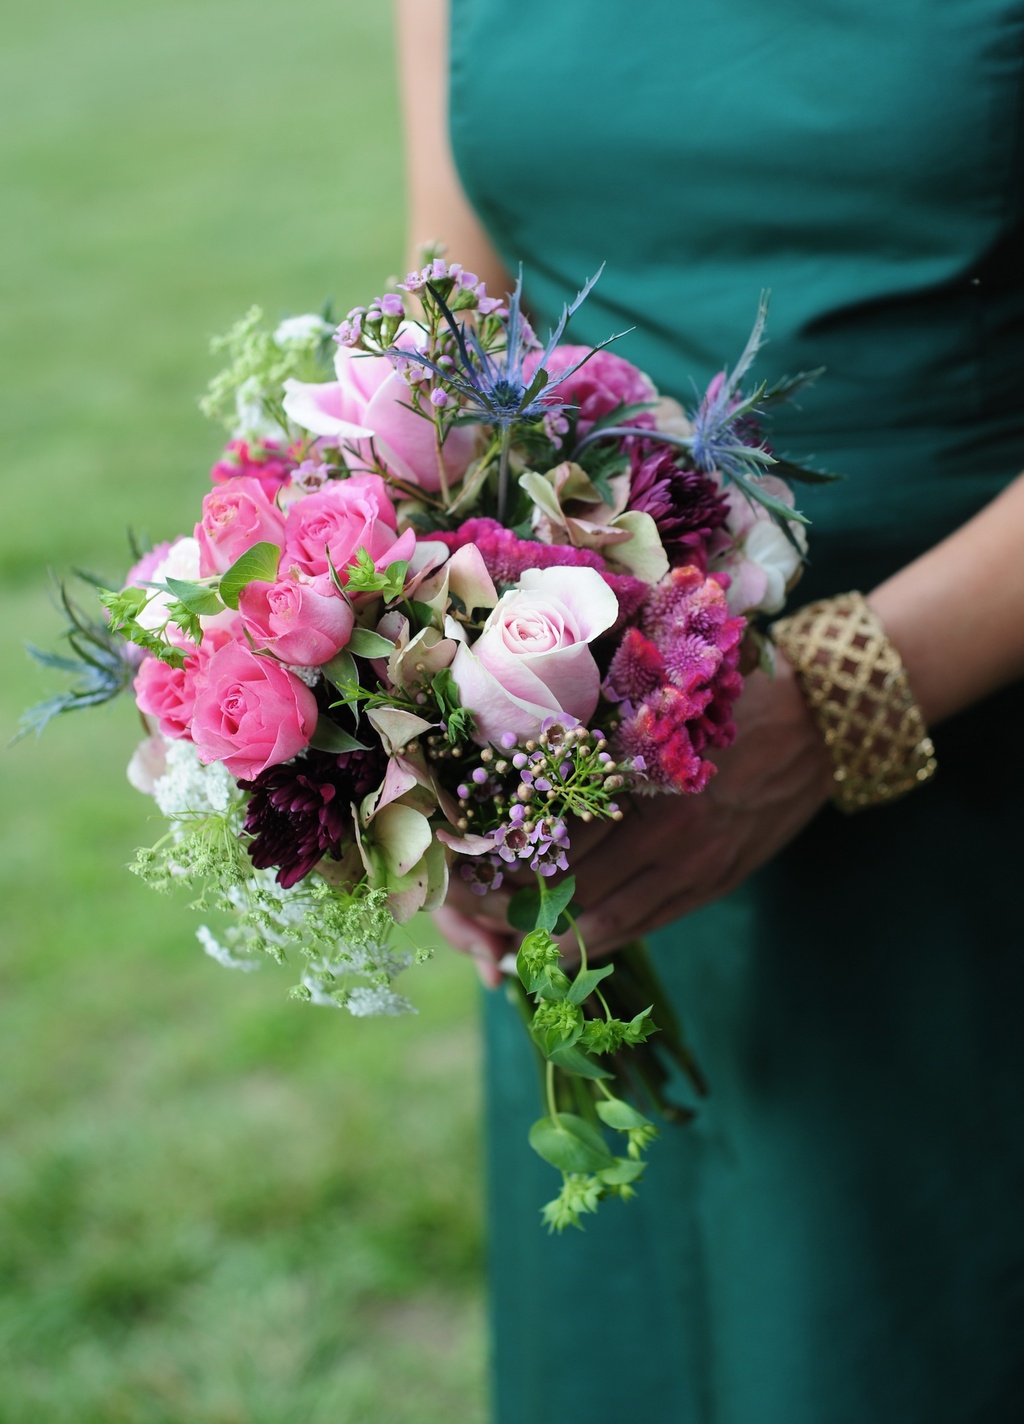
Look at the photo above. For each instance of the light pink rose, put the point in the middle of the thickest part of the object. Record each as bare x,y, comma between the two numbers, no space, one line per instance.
345,516
250,712
601,384
532,659
370,400
304,623
236,515
167,694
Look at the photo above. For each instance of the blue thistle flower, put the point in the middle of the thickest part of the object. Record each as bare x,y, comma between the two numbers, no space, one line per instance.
493,384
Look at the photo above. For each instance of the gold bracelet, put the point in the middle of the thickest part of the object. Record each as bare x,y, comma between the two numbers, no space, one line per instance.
856,687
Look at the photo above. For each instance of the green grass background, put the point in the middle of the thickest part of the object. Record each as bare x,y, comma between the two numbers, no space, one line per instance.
215,1205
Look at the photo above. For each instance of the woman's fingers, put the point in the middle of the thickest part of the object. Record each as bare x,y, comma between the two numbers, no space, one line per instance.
467,934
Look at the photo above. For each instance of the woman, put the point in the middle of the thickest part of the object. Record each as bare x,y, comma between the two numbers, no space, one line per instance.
838,1237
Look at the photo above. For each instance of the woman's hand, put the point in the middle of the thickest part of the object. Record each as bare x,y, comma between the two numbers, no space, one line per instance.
672,854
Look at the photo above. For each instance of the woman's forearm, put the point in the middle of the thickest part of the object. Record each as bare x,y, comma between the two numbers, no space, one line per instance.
956,614
438,210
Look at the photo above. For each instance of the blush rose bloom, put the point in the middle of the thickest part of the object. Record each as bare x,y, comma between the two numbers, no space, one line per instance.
167,694
345,516
236,515
303,623
370,400
250,712
532,659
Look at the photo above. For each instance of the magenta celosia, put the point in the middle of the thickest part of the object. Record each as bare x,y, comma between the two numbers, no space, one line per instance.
506,557
264,461
677,678
659,731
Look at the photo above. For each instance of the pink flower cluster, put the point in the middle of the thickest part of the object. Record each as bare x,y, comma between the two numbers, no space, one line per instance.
677,677
237,704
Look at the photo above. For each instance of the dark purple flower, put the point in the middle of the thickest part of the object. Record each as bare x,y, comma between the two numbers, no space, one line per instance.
300,812
687,506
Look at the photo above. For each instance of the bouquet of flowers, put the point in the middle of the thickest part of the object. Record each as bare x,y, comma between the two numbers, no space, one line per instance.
450,592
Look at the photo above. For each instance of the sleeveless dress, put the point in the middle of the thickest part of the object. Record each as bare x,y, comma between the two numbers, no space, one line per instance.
839,1237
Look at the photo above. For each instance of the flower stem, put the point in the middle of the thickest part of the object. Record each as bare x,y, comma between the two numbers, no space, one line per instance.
549,1084
442,473
506,438
579,941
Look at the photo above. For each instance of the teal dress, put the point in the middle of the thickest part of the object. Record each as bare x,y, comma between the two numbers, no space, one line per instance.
839,1237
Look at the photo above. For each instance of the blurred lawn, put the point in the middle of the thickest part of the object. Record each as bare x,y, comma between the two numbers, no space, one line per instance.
215,1206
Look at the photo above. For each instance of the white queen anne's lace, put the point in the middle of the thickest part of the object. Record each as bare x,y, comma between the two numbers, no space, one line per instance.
187,787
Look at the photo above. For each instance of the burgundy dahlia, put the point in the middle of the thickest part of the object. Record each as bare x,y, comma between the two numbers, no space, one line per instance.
686,505
300,812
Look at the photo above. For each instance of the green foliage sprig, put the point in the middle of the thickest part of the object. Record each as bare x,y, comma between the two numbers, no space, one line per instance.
570,1042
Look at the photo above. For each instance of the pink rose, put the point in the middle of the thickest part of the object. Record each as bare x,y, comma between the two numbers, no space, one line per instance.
250,712
370,400
604,382
167,693
236,516
345,516
265,462
532,659
300,623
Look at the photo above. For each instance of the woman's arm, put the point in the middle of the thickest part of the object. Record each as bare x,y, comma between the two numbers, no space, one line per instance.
957,613
438,210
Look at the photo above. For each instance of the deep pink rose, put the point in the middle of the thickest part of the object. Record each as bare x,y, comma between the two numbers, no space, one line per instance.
532,659
250,712
599,386
299,622
236,516
345,516
264,461
167,693
370,400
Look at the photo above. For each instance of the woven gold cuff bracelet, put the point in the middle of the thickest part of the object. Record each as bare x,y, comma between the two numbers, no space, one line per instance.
857,690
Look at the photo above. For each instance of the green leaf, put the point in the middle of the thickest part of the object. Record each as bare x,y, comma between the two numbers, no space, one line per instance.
198,598
537,966
260,563
640,1028
366,644
624,1171
541,908
570,1144
341,671
395,579
329,737
620,1115
538,383
585,984
458,720
801,474
571,1060
186,620
556,1024
422,613
361,574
